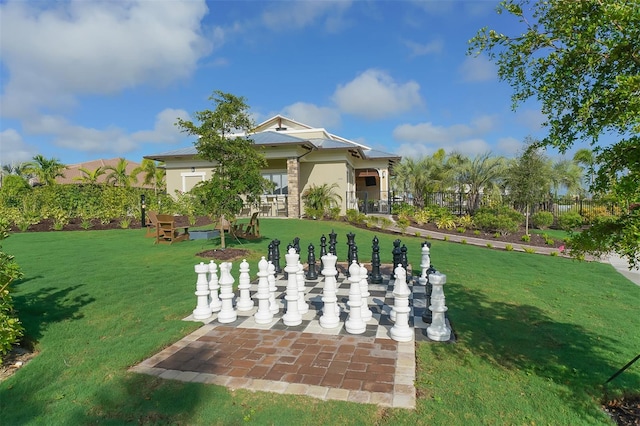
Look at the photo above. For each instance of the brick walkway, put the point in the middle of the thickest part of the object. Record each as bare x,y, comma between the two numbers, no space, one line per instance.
340,367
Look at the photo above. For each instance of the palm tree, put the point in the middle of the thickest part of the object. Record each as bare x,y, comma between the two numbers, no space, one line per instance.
118,175
90,176
153,173
585,158
321,198
565,174
45,169
482,174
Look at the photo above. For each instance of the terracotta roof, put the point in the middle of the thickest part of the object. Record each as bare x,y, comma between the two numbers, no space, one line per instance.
73,171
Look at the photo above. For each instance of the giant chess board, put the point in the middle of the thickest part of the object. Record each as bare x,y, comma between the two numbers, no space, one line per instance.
380,302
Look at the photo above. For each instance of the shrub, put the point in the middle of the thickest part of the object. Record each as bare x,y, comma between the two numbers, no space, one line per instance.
569,220
372,221
476,232
10,325
354,216
489,245
461,230
508,247
446,238
549,241
445,223
403,224
502,219
400,208
125,223
526,238
497,235
385,222
542,220
465,221
463,241
553,253
418,234
422,216
529,250
85,224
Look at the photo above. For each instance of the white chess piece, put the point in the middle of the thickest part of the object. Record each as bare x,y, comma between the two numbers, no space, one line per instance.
330,317
273,303
303,307
425,263
354,323
292,316
244,286
401,331
264,314
214,287
227,314
438,330
364,292
202,310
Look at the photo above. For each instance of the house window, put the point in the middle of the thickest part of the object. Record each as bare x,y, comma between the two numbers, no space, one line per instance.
280,181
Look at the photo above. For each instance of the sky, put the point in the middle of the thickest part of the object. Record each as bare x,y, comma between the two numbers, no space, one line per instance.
83,80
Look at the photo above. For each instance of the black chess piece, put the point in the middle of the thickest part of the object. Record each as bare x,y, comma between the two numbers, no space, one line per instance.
270,252
403,258
333,241
312,273
396,254
276,255
296,244
354,253
323,249
375,276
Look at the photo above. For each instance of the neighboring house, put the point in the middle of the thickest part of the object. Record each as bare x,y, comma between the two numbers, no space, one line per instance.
299,156
72,172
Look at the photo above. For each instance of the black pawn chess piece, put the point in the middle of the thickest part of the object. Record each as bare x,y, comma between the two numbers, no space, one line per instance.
426,316
403,257
375,277
396,254
270,252
276,255
312,273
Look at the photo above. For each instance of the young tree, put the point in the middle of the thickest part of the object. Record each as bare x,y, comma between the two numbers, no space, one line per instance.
581,60
528,179
153,173
237,163
482,174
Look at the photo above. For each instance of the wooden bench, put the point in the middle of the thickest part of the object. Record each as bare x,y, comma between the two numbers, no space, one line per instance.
251,231
167,232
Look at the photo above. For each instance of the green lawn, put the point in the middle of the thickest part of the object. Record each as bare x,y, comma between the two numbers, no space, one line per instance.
537,335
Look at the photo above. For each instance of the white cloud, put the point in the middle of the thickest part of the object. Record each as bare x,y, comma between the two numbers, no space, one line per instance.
509,147
375,95
95,48
532,119
313,115
111,140
418,49
13,149
430,134
282,16
427,138
477,68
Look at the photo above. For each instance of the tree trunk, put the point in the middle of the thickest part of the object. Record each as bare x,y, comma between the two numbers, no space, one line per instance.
526,220
222,239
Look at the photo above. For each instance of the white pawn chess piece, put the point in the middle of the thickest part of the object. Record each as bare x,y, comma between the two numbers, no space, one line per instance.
364,292
438,330
303,307
401,331
273,303
214,286
330,313
292,316
244,286
425,263
354,323
263,315
227,314
202,310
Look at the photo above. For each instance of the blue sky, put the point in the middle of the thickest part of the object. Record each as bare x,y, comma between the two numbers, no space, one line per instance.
83,80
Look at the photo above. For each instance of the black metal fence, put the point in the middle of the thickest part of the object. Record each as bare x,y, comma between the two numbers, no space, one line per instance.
460,203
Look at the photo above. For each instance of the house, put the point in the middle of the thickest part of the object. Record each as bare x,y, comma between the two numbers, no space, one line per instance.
298,157
73,174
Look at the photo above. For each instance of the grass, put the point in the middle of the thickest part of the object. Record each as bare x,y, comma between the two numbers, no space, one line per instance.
537,335
556,234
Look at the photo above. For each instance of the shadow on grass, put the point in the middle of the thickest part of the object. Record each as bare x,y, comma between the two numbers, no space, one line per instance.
40,308
524,338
